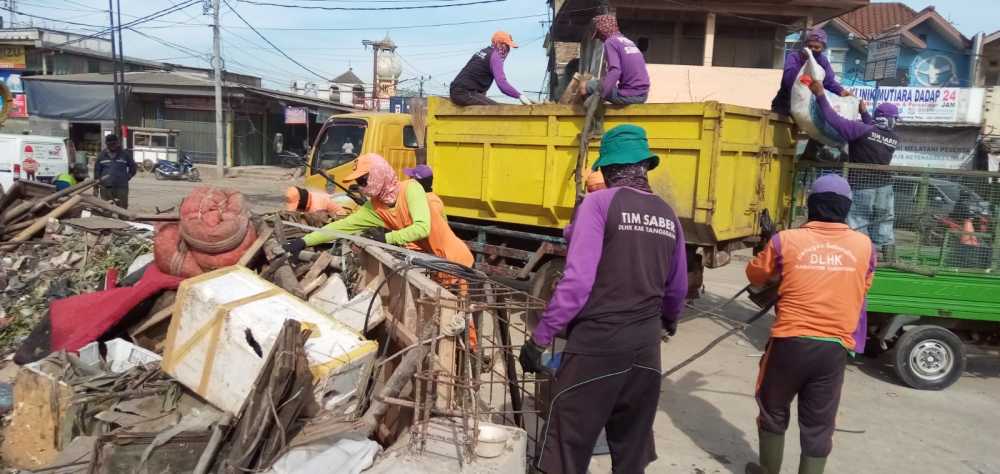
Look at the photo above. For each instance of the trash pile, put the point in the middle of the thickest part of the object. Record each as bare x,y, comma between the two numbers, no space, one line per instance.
248,359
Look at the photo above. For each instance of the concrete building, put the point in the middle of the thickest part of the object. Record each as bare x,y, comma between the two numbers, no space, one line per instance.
937,84
348,88
80,107
729,51
26,52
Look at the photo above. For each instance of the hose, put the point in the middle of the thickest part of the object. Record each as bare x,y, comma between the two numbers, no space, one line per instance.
715,342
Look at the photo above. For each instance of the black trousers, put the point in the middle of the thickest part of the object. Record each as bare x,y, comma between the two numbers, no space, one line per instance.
812,370
618,392
116,196
465,97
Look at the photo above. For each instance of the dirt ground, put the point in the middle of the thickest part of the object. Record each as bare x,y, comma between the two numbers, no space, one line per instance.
706,419
263,187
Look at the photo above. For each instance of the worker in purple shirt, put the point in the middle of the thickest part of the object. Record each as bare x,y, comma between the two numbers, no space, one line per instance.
486,66
794,60
626,80
873,142
624,285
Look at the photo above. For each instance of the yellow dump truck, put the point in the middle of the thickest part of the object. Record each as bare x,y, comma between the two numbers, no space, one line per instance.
506,173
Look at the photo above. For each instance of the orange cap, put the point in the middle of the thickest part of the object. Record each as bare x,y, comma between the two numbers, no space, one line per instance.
595,181
362,166
503,37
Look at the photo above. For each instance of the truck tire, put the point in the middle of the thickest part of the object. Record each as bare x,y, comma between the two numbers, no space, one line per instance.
929,358
543,284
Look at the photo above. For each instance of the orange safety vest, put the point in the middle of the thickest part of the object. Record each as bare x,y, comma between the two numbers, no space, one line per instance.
441,241
825,270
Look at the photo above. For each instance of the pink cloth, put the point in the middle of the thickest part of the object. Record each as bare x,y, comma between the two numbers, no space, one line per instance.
383,184
606,25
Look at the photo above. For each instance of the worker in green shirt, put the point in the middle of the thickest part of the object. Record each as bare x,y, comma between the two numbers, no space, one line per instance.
76,173
401,207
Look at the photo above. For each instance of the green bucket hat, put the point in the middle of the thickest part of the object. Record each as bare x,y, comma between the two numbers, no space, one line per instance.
625,145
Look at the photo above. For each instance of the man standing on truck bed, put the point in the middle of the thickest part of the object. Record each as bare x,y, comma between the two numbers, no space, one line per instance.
472,82
823,271
113,170
400,207
626,80
870,142
816,41
624,284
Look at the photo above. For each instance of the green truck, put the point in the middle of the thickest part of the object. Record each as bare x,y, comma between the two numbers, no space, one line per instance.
937,290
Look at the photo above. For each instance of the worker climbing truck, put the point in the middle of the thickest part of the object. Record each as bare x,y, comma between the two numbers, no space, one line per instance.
506,174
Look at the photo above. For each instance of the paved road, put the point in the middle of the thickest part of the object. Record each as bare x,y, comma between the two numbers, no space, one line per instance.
706,422
263,192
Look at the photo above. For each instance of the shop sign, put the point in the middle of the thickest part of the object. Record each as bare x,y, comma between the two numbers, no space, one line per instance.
12,57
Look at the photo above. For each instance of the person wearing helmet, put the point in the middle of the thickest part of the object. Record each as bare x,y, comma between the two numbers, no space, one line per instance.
873,142
72,177
399,207
624,285
486,66
823,271
816,42
626,80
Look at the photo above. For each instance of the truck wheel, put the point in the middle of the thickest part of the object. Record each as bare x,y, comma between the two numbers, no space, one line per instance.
543,284
929,358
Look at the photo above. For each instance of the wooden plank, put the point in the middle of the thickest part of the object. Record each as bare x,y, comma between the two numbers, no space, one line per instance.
70,191
10,195
103,205
255,248
39,224
317,269
313,285
284,276
160,316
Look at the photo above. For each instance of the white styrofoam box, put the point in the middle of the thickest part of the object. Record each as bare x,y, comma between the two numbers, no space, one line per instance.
220,317
121,355
330,296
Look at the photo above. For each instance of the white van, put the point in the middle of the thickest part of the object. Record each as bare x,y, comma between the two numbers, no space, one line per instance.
20,154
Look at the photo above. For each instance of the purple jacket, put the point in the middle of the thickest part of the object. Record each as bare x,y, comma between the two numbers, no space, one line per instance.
496,67
637,243
626,68
849,130
794,60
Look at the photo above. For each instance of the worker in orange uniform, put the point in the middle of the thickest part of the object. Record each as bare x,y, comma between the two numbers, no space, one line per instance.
594,182
306,200
823,271
399,207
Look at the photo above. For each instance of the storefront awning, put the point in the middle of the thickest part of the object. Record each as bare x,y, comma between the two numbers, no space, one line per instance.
70,101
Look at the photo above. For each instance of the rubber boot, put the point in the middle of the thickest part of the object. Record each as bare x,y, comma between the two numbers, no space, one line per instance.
772,450
808,465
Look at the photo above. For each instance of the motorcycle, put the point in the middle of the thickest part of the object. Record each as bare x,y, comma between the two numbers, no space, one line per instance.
183,169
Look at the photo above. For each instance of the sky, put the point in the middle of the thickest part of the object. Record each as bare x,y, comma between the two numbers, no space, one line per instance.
329,42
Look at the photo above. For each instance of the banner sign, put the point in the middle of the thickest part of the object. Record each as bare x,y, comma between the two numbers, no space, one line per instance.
295,115
12,57
883,54
936,147
13,81
928,104
19,106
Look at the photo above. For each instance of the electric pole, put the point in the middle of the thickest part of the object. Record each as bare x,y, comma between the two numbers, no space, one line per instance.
122,88
114,59
220,143
422,80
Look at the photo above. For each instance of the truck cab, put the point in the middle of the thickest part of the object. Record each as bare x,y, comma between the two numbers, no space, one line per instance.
344,138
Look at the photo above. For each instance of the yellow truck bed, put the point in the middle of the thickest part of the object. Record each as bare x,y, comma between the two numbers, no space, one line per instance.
720,165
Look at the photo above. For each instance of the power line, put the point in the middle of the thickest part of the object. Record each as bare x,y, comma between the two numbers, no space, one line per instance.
276,48
382,28
411,7
51,19
139,21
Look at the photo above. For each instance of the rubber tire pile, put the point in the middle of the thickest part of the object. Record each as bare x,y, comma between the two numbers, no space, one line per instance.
213,232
